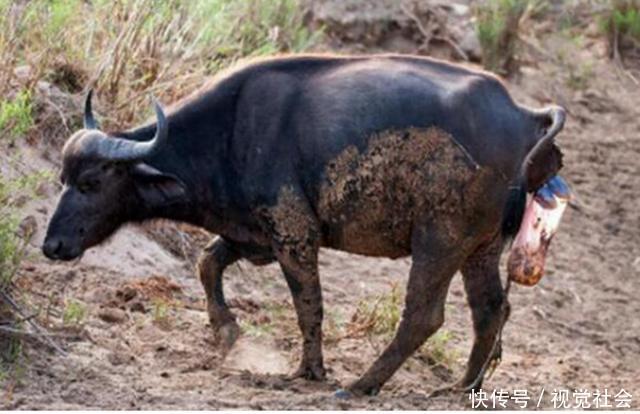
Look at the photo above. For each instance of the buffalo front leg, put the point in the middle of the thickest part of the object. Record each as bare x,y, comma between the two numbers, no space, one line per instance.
296,244
429,280
489,310
307,299
214,259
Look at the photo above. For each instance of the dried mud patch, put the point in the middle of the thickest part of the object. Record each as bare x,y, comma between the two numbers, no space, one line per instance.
370,201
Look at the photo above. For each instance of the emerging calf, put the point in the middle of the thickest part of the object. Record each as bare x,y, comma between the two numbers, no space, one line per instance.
382,155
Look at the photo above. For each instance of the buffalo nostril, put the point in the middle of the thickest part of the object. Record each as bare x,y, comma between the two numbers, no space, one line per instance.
58,247
52,248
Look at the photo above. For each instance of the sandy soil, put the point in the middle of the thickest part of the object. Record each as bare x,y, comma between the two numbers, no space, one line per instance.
144,341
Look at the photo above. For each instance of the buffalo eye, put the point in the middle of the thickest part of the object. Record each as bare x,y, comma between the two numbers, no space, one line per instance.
89,185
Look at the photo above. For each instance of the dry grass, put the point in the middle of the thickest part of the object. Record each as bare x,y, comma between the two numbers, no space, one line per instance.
131,48
378,315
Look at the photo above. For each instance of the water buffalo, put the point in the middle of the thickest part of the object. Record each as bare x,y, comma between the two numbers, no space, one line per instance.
377,155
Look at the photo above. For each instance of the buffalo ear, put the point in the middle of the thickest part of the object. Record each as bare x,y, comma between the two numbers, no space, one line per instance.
156,188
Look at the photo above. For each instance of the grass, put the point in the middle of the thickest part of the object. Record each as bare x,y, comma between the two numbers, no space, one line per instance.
438,351
16,115
497,24
273,317
74,313
621,24
13,363
13,239
129,49
161,312
256,330
577,73
379,315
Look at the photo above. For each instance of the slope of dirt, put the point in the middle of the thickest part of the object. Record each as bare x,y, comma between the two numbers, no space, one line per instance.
145,343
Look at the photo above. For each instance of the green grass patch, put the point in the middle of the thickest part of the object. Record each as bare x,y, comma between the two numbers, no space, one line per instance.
16,115
13,363
74,313
438,351
255,329
621,24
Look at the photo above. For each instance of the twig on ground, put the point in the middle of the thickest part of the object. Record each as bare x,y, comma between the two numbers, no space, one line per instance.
39,331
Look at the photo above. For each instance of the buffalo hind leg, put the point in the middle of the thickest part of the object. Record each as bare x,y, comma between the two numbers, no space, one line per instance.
489,309
215,258
434,264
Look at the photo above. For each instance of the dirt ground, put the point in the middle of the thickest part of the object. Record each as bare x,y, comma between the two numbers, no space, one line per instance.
144,340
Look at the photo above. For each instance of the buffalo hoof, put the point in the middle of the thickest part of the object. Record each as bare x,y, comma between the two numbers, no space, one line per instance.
457,387
343,394
227,335
359,391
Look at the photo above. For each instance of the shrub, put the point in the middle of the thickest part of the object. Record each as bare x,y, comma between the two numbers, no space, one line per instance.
497,25
621,23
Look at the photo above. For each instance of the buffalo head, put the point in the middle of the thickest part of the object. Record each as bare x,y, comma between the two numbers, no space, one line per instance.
106,183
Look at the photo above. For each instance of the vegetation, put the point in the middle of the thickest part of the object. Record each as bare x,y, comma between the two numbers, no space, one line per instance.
379,315
131,48
13,236
162,313
15,115
621,23
497,25
74,313
12,362
577,73
438,351
256,329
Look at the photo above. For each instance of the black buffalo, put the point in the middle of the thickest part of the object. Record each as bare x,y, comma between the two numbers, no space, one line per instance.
381,155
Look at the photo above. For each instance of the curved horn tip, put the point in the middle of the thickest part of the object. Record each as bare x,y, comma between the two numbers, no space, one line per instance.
89,120
158,108
162,130
155,101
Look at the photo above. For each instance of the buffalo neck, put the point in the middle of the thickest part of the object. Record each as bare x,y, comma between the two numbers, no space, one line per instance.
197,155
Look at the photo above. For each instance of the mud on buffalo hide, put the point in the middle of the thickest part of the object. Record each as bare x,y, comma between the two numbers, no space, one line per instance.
369,200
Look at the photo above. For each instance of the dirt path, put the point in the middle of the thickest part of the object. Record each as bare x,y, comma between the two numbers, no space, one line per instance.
144,340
